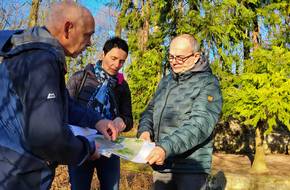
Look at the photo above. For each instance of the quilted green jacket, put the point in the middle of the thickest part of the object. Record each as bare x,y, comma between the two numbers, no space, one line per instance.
181,117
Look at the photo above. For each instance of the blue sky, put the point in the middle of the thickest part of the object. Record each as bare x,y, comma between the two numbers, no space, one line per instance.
94,5
97,7
104,16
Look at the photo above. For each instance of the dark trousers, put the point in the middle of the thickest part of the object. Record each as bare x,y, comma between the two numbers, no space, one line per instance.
179,181
108,171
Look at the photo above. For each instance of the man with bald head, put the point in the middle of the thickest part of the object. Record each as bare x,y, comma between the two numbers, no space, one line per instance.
35,108
180,119
72,26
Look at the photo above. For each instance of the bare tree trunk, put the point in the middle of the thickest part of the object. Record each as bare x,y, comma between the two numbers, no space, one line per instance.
246,47
118,28
180,8
146,25
259,164
144,30
287,22
33,13
124,7
256,32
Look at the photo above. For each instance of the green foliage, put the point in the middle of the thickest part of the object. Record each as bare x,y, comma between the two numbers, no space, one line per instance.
147,53
262,92
252,84
143,76
254,81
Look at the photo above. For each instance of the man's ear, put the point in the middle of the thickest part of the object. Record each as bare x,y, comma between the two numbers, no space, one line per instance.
67,28
196,56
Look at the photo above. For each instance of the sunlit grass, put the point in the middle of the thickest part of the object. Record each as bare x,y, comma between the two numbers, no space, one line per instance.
133,167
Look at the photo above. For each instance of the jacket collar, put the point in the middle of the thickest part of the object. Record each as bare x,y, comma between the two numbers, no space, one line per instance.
36,38
90,67
201,65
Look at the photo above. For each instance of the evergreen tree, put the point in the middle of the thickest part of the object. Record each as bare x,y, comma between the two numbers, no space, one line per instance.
260,97
246,41
146,51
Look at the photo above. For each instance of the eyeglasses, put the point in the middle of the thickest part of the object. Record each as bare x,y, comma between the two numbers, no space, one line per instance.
179,59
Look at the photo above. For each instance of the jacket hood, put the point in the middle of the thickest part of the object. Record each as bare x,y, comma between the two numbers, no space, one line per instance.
35,35
202,65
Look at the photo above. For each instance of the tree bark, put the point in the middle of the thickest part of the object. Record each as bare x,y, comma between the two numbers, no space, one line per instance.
118,28
180,9
146,26
124,7
144,30
33,13
256,32
259,164
246,47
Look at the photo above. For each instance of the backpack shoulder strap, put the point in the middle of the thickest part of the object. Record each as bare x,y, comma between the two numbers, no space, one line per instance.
85,75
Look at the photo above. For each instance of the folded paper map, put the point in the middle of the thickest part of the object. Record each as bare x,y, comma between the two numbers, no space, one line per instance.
132,149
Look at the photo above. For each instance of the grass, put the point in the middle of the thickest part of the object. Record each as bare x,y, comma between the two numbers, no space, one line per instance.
133,177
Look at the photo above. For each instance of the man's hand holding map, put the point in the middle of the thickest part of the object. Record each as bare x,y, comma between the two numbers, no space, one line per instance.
132,149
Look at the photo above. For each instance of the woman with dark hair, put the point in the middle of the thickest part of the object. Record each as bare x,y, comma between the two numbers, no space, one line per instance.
102,88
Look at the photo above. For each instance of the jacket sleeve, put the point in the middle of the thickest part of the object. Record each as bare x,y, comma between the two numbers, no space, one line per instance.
146,121
45,132
125,107
82,116
197,126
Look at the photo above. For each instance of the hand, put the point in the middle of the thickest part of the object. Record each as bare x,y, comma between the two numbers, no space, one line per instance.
96,154
107,128
145,136
156,156
119,124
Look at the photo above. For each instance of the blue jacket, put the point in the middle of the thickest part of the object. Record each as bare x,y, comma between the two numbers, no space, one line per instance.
34,112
